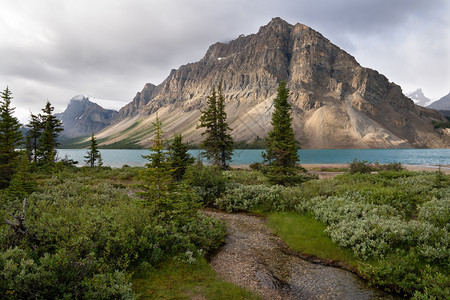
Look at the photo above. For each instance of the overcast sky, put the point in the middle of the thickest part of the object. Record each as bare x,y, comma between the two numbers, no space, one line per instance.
108,49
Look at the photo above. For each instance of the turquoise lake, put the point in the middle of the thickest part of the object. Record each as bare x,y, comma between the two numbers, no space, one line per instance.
118,157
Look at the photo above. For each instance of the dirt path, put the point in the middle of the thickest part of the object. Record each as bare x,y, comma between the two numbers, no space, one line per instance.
254,258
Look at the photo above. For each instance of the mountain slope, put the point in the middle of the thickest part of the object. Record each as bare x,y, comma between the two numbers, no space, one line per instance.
82,117
441,104
336,102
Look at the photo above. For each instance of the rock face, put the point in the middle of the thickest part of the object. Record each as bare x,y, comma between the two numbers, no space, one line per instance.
419,98
441,104
82,117
336,102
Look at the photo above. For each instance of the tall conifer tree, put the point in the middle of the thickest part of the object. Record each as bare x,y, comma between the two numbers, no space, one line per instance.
157,175
48,140
218,143
281,154
179,158
93,155
10,139
35,130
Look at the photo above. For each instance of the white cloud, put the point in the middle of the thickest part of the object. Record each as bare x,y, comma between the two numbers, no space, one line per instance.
55,49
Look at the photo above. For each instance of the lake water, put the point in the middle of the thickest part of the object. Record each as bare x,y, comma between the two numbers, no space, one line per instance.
118,157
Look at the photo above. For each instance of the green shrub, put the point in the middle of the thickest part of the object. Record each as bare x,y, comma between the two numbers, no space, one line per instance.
207,181
85,234
357,166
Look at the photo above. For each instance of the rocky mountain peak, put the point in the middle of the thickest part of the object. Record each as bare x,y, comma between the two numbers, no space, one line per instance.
336,102
82,117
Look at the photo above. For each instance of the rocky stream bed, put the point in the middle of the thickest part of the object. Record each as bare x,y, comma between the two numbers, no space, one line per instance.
256,259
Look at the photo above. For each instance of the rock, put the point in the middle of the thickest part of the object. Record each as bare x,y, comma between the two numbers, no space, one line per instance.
82,117
336,102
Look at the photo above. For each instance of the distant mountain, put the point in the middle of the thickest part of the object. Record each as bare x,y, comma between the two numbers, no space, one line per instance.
336,103
441,104
419,98
82,117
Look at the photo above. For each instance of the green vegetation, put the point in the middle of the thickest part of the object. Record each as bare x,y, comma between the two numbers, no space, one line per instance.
281,155
306,235
82,232
93,155
443,125
218,143
179,158
181,280
394,222
10,139
42,138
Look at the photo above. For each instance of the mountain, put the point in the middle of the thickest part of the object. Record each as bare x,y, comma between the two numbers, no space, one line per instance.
82,117
336,102
441,104
419,98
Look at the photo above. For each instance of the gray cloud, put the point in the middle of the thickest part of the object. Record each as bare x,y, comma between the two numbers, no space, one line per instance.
56,49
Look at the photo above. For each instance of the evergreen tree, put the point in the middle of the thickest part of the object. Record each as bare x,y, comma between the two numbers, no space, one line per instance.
35,130
10,139
47,141
218,143
157,175
93,155
179,157
281,154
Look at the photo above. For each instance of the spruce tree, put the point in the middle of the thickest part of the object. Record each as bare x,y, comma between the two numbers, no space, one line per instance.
93,155
218,143
35,130
47,142
281,153
179,158
157,175
10,139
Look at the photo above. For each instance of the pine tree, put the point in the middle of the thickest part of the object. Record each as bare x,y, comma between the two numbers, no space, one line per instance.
157,175
218,143
47,141
35,130
281,154
179,158
10,139
93,155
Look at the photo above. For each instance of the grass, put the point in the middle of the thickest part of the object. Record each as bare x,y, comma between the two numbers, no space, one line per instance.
306,235
178,280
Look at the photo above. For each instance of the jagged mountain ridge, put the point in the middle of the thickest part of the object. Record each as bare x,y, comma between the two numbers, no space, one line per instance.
82,117
336,102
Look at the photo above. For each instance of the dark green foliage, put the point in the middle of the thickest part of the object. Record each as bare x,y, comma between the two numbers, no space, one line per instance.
10,139
93,155
157,176
364,167
208,182
86,235
179,158
21,186
281,154
442,125
48,140
35,130
218,143
357,166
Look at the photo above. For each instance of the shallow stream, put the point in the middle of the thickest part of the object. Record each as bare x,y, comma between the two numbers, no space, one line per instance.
254,258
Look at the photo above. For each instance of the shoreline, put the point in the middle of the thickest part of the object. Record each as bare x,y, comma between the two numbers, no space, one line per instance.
328,168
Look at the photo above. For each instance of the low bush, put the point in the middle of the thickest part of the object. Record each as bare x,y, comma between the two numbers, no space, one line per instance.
84,235
207,181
